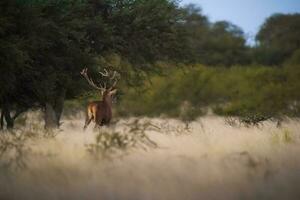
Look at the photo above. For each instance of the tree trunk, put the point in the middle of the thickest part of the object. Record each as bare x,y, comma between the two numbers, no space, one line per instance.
2,120
6,115
50,117
53,111
18,112
9,120
59,105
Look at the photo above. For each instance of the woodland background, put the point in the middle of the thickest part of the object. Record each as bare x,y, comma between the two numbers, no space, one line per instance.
173,61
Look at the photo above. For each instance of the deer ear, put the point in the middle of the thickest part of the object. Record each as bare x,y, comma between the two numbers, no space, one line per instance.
114,91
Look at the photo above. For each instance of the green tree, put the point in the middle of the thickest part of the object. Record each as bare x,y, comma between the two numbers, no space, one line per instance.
43,50
14,62
221,43
45,44
278,38
225,46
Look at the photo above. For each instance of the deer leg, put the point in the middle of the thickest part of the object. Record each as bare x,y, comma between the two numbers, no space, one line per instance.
89,117
87,122
98,123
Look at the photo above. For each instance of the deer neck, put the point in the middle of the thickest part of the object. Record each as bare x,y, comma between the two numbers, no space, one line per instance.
107,100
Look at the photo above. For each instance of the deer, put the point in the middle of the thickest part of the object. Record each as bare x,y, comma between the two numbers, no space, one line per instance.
101,111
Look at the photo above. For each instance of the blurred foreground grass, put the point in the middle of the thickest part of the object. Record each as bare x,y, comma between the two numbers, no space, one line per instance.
151,158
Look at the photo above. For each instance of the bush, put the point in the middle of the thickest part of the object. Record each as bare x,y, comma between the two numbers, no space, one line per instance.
250,92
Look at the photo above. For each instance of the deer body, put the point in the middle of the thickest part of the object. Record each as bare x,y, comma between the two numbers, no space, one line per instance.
100,111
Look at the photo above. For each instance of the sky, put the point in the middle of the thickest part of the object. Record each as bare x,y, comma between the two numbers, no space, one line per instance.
247,14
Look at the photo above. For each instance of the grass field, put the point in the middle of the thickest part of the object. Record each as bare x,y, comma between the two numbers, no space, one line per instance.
152,159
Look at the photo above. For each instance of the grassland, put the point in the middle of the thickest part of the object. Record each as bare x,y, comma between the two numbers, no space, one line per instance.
151,159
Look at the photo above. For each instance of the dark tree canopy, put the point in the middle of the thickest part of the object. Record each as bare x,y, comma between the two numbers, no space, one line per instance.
45,44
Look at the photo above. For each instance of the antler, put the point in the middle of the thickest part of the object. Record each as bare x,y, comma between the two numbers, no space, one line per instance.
112,77
115,78
90,81
105,73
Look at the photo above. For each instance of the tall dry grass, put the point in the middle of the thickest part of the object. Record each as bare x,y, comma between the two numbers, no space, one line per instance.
151,159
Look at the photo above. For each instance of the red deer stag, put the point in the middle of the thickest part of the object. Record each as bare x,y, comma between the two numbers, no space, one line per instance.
100,111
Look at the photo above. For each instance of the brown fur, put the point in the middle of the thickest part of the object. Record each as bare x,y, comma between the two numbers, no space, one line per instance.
100,111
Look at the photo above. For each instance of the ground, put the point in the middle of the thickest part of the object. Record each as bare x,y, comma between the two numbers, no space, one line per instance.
209,160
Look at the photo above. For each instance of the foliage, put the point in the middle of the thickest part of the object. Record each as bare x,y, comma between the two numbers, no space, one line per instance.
44,45
279,38
254,93
221,43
